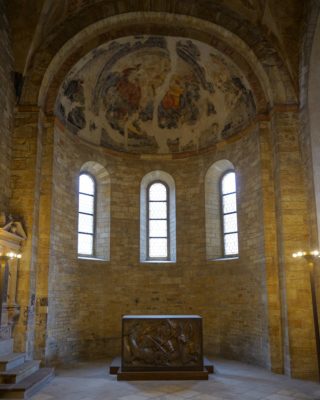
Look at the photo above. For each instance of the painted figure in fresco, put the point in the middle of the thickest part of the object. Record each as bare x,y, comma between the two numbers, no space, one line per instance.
74,91
156,95
179,104
129,89
122,97
172,98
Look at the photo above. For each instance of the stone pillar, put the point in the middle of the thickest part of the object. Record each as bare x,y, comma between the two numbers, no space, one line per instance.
24,202
271,252
43,260
31,197
300,357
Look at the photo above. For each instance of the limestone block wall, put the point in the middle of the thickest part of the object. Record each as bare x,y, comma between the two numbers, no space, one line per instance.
87,297
293,233
309,122
6,108
309,116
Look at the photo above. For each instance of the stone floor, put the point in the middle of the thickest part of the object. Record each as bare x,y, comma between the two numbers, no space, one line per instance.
232,381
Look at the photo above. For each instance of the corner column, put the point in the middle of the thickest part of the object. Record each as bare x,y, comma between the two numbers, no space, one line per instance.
299,344
31,190
270,249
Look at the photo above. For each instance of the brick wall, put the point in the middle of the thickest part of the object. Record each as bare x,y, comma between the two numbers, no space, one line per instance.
87,298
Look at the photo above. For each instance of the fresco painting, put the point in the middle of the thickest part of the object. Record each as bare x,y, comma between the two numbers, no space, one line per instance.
154,94
179,104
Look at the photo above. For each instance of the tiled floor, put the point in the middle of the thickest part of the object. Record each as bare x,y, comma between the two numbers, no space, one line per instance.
232,381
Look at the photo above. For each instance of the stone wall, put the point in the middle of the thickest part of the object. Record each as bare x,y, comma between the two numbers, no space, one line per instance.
309,122
293,234
6,108
256,308
87,298
309,116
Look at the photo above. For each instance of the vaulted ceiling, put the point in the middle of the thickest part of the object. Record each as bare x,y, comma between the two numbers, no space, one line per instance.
35,23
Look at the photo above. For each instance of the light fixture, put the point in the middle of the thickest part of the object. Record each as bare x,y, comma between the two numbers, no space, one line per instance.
307,254
10,255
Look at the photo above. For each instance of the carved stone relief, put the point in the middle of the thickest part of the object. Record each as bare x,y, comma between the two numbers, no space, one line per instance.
162,343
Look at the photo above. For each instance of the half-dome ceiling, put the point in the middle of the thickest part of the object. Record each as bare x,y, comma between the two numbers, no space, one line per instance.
152,94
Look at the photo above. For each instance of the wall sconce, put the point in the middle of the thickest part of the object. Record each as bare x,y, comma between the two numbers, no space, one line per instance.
310,257
10,256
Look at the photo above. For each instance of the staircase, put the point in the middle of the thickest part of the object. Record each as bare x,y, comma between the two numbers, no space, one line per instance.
20,378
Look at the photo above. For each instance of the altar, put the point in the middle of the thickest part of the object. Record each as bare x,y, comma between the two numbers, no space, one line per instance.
161,347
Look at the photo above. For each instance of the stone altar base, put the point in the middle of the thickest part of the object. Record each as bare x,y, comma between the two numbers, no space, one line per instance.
115,369
163,375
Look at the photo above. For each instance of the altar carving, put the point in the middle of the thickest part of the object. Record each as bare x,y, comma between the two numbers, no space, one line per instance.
162,347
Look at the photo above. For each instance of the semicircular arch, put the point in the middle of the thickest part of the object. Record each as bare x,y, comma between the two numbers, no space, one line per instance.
67,49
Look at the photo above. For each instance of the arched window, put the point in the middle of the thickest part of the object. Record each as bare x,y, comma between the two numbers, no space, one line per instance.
94,195
157,225
86,215
229,216
157,218
221,211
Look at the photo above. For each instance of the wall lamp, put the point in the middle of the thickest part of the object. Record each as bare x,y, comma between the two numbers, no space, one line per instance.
10,256
308,255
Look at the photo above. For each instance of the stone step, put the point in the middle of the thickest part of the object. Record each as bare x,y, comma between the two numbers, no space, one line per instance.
11,360
28,386
20,372
6,346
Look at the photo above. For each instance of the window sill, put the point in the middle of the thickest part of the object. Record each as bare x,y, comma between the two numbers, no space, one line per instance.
92,259
224,259
158,262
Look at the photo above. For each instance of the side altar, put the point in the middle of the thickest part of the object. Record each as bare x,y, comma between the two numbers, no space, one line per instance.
163,347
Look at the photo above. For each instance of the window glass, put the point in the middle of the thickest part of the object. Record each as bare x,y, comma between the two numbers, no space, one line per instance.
86,204
229,203
229,214
86,184
158,191
158,248
85,244
229,183
157,224
86,215
231,244
158,210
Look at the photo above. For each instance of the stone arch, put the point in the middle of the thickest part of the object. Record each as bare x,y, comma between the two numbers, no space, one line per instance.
110,29
269,62
103,201
145,182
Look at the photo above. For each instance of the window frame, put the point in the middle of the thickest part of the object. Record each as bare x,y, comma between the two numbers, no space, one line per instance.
95,187
222,214
148,258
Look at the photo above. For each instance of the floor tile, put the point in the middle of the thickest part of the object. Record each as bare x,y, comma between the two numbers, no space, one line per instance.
232,381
